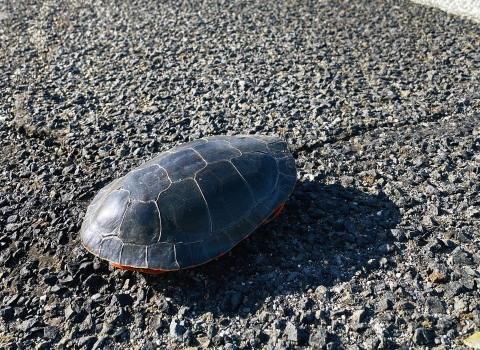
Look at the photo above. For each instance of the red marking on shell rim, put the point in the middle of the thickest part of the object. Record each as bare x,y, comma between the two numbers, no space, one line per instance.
149,271
274,214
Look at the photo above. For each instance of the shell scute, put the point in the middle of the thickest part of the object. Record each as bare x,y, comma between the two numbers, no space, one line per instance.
253,145
181,164
191,254
217,150
141,223
113,246
145,184
184,214
162,256
259,213
259,172
106,216
218,244
227,194
134,255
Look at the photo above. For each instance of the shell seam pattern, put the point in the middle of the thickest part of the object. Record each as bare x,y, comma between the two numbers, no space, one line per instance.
278,170
248,185
206,204
146,256
120,255
169,179
159,220
125,211
175,255
196,152
119,226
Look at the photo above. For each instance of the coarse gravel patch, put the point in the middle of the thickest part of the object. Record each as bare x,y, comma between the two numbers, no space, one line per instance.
377,247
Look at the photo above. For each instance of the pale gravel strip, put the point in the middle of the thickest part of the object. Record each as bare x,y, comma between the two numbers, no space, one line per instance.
466,8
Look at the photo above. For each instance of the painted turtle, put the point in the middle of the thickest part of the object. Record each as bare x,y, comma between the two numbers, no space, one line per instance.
190,204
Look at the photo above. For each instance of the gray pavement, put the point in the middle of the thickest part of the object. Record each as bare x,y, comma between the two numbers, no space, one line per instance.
379,103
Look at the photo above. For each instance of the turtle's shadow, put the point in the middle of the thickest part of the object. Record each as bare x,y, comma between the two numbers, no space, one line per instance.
327,234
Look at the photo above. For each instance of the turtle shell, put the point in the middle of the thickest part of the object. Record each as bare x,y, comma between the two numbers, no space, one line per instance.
190,204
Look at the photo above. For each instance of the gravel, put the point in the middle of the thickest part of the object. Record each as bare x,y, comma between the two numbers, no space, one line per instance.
377,247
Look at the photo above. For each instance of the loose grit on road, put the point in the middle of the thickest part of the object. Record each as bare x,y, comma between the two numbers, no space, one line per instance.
378,101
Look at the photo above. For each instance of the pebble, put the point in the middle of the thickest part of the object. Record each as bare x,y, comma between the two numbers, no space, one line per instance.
439,274
155,323
50,332
176,329
453,288
292,332
319,338
231,301
383,305
121,300
473,341
358,316
422,336
436,306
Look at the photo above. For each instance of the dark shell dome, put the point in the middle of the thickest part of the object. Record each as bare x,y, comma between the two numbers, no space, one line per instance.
190,204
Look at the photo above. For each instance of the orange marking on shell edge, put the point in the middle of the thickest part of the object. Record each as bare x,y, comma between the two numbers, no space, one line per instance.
129,268
278,210
274,214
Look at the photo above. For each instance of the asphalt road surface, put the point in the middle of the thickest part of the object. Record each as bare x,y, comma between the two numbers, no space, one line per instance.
378,101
